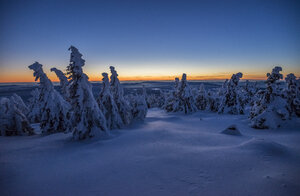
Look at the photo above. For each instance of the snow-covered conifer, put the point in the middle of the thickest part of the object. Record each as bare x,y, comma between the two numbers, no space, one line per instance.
186,96
293,94
108,106
63,83
213,100
172,98
34,114
12,120
54,109
118,94
201,100
181,98
230,102
271,109
223,88
139,106
19,103
176,84
156,99
249,92
186,101
87,119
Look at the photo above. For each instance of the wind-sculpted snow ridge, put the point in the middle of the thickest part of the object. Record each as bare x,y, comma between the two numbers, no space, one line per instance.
54,109
87,119
272,108
265,147
231,130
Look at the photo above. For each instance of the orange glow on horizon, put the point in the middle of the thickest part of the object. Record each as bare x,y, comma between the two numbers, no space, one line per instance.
53,78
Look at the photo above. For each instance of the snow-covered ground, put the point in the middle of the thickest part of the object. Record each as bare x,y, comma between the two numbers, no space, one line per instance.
168,154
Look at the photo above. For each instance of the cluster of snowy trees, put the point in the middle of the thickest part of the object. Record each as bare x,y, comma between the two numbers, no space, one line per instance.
75,109
181,98
267,108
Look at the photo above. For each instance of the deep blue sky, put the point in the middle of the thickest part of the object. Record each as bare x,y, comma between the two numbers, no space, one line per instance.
151,38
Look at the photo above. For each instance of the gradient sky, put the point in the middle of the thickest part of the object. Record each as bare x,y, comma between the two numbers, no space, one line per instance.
151,39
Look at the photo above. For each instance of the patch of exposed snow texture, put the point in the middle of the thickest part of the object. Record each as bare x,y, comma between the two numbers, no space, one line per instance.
87,119
54,109
12,119
63,82
271,109
168,154
230,102
118,94
108,106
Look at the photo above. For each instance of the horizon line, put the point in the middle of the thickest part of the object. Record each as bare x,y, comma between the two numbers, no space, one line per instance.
53,78
164,80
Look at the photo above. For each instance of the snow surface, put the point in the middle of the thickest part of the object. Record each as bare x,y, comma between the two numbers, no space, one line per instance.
167,154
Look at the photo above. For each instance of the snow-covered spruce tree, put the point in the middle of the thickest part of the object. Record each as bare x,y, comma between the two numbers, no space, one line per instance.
139,106
19,103
87,119
293,94
271,109
230,102
34,114
54,109
214,97
161,98
172,98
151,100
186,99
201,100
156,99
176,84
12,120
213,100
63,83
249,92
108,106
223,89
118,94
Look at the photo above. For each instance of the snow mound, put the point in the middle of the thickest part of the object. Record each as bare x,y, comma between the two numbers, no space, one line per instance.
232,130
264,146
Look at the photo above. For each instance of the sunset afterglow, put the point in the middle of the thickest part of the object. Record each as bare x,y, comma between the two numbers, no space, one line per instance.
151,40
